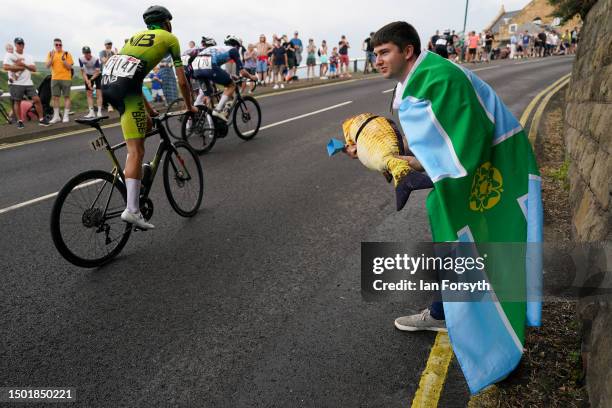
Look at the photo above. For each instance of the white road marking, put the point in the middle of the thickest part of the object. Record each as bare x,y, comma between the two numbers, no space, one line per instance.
388,90
43,198
482,69
282,122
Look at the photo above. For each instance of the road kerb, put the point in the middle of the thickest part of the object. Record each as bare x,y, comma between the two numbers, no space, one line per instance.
534,101
535,123
434,375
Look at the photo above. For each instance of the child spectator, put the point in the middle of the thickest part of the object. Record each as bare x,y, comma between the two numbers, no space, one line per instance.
157,85
279,62
333,63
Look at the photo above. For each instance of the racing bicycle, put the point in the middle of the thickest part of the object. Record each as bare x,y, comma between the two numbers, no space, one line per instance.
86,224
201,130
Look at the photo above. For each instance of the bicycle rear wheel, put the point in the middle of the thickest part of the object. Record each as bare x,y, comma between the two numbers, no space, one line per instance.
198,130
183,179
247,118
86,224
174,123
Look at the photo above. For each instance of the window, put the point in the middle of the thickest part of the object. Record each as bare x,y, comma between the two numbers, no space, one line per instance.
512,28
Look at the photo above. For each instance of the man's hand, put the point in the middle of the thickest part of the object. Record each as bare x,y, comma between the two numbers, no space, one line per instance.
153,113
351,151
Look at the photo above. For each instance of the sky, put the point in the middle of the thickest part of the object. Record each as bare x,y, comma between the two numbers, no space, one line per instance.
90,22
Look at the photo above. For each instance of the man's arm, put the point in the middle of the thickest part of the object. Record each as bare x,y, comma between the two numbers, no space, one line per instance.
50,58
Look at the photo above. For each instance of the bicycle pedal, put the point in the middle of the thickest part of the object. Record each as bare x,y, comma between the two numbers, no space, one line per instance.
136,229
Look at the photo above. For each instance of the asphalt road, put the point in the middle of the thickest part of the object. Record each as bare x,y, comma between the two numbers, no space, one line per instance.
255,301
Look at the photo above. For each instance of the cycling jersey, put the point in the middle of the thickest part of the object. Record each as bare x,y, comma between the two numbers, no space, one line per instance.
206,66
124,73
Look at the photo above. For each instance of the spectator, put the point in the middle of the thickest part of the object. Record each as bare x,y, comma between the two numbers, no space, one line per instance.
433,40
20,67
105,54
541,44
526,44
311,59
291,61
61,63
333,63
263,48
279,62
324,58
472,46
575,35
191,45
489,38
344,58
441,46
298,47
157,82
166,73
91,74
250,63
370,58
566,41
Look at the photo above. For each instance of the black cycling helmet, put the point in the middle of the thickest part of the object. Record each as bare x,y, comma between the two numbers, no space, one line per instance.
86,50
208,42
233,41
156,14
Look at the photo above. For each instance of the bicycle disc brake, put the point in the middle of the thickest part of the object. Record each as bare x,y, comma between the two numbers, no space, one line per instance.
146,208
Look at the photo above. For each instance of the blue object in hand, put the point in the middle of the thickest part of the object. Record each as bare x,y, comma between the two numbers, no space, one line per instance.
334,146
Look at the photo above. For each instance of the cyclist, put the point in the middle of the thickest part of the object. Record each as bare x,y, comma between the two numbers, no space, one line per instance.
122,80
207,67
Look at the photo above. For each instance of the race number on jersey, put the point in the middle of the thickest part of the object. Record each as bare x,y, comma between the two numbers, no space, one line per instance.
202,62
121,66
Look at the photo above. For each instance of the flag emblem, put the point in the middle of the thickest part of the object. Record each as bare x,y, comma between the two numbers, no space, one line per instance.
486,188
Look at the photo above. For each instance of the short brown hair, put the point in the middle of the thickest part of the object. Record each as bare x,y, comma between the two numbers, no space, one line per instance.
399,33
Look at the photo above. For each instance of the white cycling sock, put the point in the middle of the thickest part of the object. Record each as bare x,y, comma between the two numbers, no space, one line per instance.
222,103
199,100
133,195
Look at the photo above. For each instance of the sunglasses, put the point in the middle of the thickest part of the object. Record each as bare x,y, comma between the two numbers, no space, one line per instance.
58,45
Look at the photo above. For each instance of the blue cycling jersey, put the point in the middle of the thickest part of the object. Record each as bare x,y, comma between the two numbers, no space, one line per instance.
221,54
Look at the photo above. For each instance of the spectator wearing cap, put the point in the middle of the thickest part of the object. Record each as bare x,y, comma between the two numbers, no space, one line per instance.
298,47
61,63
20,67
90,71
104,55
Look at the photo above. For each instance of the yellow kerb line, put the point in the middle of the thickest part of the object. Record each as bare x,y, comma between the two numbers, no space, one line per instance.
434,375
533,129
532,104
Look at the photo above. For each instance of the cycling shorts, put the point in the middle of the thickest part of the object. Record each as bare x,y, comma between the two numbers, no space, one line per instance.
125,95
215,74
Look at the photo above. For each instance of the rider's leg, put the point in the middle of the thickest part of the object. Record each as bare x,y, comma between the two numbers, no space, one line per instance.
228,93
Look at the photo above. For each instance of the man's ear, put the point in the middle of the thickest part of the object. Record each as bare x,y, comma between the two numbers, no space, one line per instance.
409,51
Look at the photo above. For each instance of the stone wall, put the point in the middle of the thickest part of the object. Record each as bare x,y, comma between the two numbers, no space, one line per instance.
588,136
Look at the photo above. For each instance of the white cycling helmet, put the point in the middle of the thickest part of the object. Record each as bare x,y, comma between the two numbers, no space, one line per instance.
208,42
233,41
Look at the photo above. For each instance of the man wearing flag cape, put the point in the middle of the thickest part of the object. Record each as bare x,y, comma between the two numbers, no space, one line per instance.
486,190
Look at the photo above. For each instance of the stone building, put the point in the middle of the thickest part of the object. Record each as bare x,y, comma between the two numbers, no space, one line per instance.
534,17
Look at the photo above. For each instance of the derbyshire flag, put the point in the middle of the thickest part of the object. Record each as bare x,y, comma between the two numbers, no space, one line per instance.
487,188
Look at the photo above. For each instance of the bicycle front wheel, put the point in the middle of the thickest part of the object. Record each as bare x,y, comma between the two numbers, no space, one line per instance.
198,130
174,123
86,224
183,179
247,118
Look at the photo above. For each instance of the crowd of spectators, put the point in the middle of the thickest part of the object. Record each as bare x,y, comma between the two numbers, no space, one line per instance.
480,47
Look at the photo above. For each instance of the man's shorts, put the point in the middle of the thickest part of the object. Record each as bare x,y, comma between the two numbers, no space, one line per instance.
60,87
371,57
96,82
262,65
344,59
20,92
472,51
291,62
250,70
278,69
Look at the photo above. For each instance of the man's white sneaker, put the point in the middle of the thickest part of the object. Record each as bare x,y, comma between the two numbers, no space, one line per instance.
220,115
99,114
421,321
90,115
282,86
55,119
275,86
136,219
66,119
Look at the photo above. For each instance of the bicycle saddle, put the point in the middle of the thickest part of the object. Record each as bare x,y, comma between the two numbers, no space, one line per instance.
90,121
